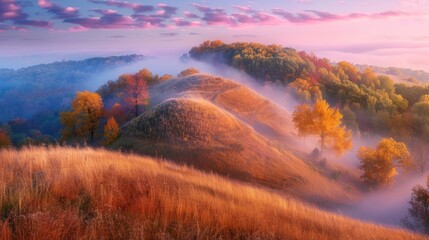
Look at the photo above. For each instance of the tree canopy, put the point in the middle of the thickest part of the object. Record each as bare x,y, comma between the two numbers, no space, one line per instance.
380,165
325,122
83,119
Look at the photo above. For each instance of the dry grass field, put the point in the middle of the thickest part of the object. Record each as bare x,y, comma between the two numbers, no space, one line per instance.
196,132
65,193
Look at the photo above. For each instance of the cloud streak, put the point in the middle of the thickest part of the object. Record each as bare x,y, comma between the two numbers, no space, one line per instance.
313,16
136,7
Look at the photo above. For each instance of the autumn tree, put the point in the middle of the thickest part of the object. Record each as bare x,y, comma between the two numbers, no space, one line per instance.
111,131
188,71
119,112
420,117
418,218
83,119
165,77
325,122
380,164
147,76
136,91
305,90
4,139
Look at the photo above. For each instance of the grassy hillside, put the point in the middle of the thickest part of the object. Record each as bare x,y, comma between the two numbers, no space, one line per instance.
263,115
64,193
196,132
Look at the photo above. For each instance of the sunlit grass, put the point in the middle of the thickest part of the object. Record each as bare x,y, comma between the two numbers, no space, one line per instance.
65,193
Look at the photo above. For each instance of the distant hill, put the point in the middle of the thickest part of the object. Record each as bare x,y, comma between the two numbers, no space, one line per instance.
96,194
404,75
220,126
49,87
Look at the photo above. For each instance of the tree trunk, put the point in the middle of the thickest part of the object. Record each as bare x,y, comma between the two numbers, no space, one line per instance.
91,137
322,146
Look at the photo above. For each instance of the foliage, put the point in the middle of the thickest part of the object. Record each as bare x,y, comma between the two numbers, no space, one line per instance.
271,63
323,121
4,139
372,98
165,77
420,112
419,209
380,164
404,73
84,117
111,131
30,90
305,90
136,93
188,71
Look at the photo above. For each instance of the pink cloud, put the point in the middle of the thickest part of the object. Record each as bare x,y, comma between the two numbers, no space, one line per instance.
11,10
58,11
313,16
136,7
190,15
180,22
109,20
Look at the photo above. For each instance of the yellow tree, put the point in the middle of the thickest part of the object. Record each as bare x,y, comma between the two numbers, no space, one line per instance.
325,122
188,71
111,131
380,164
83,119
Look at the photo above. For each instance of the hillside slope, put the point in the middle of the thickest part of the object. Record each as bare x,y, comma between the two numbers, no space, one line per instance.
64,193
262,114
196,132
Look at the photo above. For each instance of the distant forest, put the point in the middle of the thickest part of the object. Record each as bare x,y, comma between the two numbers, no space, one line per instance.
32,97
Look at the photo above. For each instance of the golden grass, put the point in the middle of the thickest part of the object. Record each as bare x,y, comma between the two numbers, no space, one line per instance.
234,97
196,132
65,193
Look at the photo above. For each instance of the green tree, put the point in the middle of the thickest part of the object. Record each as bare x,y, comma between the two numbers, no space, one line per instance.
420,113
418,218
325,122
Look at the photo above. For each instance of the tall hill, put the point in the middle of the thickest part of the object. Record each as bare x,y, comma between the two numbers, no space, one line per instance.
208,126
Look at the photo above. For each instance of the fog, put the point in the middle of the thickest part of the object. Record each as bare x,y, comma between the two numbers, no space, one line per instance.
387,206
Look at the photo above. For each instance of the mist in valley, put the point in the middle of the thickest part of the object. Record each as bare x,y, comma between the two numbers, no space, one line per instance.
386,206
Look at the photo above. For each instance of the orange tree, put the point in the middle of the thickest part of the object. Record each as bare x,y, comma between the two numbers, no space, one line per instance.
380,164
136,93
83,119
111,131
325,122
4,139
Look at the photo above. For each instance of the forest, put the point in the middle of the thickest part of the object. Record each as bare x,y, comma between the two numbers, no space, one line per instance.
369,102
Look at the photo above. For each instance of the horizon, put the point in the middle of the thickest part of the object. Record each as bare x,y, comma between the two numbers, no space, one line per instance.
388,33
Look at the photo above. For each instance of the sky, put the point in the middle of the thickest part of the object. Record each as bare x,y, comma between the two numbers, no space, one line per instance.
382,32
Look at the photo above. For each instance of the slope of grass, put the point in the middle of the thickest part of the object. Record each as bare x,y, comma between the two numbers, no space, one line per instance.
196,132
64,193
252,108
